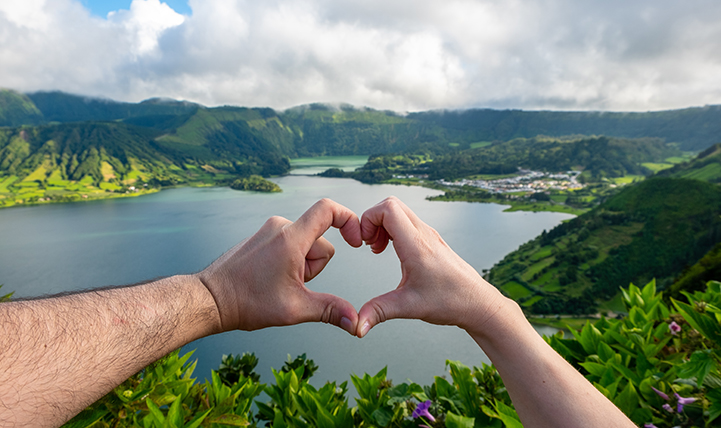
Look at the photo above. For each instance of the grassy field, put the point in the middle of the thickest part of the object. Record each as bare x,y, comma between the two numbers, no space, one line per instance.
656,167
515,290
708,172
542,206
627,179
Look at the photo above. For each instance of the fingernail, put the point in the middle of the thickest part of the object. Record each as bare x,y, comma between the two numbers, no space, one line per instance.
346,325
366,327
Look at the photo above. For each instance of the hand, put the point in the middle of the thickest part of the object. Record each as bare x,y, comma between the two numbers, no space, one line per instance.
437,285
261,281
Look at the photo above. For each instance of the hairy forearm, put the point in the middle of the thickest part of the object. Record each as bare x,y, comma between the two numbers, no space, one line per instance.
51,347
546,390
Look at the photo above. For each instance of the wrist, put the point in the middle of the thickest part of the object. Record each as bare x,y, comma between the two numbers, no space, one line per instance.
205,303
500,318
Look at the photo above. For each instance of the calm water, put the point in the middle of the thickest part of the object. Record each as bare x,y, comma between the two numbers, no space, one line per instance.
48,249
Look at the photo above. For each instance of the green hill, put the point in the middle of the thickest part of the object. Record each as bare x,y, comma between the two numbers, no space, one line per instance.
345,130
62,107
64,162
18,109
598,157
696,277
706,166
652,229
694,129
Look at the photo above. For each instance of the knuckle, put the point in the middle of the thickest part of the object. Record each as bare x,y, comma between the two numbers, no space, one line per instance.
276,221
391,201
379,311
327,314
325,203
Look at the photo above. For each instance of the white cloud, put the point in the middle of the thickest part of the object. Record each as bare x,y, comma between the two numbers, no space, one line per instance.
144,23
396,54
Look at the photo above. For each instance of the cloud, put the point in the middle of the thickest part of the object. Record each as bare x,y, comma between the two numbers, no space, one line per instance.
391,54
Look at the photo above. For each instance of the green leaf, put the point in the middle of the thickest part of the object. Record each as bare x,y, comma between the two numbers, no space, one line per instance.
605,352
705,323
155,413
87,417
456,421
278,421
229,419
626,372
467,387
641,416
627,400
698,366
595,369
383,416
324,420
508,415
195,423
714,397
175,415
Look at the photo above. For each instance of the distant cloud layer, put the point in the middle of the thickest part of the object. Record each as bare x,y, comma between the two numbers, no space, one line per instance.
403,55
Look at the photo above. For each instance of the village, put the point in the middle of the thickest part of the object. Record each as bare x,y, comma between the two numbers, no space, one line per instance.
526,181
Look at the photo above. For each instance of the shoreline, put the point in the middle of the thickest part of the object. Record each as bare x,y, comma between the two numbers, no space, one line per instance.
512,205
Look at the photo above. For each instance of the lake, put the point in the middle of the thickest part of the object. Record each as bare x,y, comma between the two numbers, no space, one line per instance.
54,248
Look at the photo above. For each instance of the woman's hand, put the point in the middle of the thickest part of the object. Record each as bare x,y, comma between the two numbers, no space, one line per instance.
437,285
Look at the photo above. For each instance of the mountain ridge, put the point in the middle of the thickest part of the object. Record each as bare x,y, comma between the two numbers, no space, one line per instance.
692,128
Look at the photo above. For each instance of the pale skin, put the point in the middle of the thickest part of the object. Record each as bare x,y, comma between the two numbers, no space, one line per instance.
439,287
61,354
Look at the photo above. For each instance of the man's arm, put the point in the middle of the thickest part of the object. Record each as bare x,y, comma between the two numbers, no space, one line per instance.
439,287
61,354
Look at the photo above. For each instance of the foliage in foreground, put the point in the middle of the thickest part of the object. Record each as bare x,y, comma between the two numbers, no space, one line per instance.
661,365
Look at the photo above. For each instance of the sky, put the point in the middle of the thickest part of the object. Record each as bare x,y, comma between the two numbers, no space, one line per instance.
402,55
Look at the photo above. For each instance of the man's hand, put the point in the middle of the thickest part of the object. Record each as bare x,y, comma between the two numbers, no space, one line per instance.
261,281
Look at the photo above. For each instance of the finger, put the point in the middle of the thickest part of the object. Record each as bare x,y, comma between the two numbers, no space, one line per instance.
317,258
321,216
392,305
330,309
387,220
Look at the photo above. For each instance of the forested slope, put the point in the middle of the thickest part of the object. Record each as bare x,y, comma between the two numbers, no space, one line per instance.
652,229
18,109
693,129
706,166
597,156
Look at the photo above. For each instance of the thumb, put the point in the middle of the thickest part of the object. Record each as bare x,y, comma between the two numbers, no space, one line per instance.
331,309
382,308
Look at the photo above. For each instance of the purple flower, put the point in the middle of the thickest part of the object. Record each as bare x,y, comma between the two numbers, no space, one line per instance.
683,401
650,426
667,407
422,410
660,394
675,328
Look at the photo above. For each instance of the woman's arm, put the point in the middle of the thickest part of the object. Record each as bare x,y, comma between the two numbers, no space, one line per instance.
439,287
